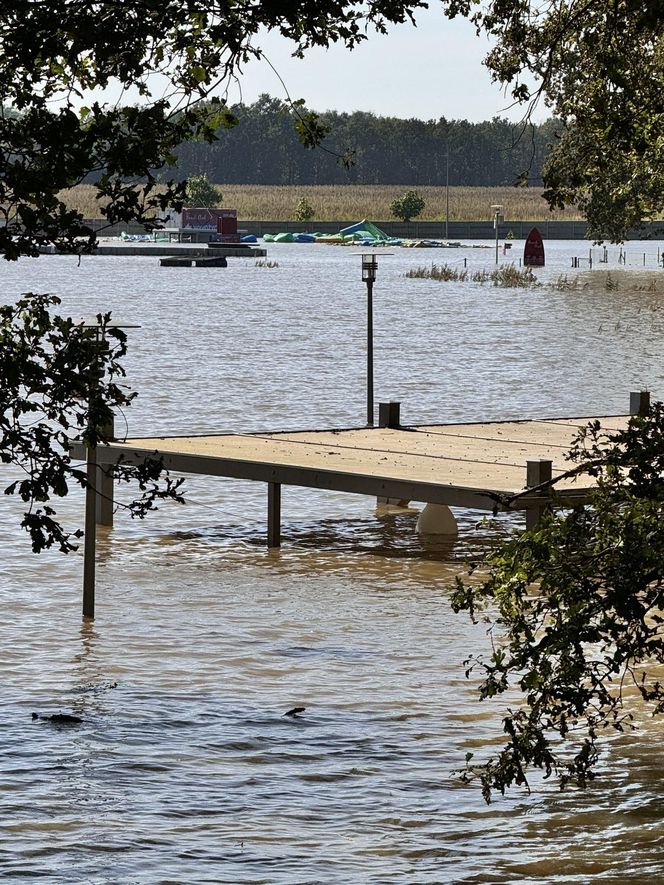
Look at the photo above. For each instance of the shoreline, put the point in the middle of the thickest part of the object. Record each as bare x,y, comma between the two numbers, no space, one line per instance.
439,230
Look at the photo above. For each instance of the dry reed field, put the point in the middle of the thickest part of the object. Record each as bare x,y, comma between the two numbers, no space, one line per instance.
350,202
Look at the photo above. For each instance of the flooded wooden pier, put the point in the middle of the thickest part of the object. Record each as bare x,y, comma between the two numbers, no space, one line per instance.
491,466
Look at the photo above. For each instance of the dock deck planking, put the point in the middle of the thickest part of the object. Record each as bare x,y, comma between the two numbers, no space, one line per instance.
483,459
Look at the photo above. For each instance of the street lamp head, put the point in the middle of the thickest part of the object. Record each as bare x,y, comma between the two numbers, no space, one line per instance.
369,266
498,216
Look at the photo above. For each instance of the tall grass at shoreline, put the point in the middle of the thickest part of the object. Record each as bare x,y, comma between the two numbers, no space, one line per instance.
353,202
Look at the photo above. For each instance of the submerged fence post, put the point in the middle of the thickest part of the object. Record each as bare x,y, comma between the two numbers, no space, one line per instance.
537,472
92,480
99,477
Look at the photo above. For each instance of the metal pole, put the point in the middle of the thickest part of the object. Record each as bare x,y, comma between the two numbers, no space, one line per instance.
496,226
370,384
447,192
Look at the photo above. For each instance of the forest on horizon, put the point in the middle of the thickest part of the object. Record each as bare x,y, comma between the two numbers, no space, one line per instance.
264,149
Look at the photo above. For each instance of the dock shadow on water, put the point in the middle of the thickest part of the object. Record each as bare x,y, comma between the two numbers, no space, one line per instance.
391,534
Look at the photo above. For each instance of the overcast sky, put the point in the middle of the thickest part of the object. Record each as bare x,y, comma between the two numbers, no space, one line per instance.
431,71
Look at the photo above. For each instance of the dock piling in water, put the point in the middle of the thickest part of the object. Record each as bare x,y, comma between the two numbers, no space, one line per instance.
104,485
274,514
90,535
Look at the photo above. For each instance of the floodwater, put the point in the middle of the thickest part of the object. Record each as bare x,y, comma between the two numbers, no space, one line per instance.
185,769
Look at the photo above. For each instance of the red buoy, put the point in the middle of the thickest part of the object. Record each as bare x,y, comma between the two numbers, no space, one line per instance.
533,253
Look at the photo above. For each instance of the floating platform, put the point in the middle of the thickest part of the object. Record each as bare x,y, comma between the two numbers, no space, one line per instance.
183,250
217,261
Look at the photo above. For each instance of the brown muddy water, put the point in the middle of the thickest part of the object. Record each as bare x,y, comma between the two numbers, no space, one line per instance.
185,769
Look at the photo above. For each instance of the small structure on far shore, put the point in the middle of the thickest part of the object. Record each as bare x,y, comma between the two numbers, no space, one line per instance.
202,225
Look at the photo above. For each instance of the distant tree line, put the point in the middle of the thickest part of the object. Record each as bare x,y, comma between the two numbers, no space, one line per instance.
265,149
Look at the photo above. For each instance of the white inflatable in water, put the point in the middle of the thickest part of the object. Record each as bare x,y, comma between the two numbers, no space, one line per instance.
437,519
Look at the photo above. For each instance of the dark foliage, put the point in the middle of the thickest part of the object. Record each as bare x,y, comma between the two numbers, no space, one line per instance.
62,379
578,611
600,68
264,149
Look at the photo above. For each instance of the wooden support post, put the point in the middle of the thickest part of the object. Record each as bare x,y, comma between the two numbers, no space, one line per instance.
537,472
104,505
389,414
89,537
274,514
639,402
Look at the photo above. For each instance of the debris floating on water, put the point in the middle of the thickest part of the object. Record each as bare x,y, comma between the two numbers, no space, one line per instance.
59,718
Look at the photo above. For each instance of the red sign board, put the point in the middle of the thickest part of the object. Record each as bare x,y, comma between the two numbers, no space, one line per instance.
533,253
227,225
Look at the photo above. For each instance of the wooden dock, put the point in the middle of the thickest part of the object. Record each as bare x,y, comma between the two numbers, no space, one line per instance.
491,466
183,250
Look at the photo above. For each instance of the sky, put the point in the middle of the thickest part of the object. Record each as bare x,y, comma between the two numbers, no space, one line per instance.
430,71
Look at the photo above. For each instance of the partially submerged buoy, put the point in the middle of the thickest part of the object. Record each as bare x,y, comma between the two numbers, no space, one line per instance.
437,519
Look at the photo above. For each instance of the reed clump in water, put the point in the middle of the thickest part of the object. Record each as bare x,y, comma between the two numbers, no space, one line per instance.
263,262
564,284
508,276
612,281
442,272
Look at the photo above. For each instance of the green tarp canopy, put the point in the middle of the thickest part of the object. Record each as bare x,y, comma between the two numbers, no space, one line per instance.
365,227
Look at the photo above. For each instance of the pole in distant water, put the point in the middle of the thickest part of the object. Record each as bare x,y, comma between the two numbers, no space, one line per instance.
447,192
498,218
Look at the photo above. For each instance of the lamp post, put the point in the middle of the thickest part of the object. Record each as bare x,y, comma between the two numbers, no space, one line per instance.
369,268
498,218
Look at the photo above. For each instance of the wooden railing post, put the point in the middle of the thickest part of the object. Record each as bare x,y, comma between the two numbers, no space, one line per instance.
639,402
389,414
104,486
537,472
